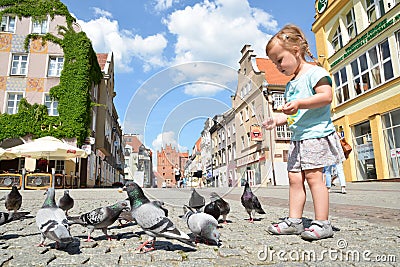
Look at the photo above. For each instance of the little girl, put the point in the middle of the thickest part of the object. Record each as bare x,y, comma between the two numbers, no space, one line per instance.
314,143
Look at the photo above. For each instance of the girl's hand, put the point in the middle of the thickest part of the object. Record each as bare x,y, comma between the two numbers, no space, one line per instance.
269,123
290,108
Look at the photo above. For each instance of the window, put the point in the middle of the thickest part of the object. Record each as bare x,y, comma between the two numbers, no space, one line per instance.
19,64
351,24
241,117
55,66
253,108
375,9
7,24
51,105
246,113
372,68
278,100
282,132
39,26
243,143
391,131
341,86
337,42
398,44
13,102
60,166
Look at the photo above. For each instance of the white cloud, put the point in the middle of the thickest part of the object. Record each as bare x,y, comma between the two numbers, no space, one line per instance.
163,4
101,12
217,31
106,36
166,138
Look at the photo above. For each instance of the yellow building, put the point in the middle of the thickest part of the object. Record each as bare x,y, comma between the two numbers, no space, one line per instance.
358,41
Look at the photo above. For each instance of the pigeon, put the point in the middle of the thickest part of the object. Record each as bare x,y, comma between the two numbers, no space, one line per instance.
222,204
250,202
66,202
52,222
5,217
202,225
212,209
126,215
151,218
99,218
196,200
13,200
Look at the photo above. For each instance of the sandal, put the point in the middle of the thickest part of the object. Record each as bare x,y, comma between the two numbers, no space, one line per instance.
286,227
318,230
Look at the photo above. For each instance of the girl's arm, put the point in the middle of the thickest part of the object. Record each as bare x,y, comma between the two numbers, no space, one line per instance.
272,122
322,97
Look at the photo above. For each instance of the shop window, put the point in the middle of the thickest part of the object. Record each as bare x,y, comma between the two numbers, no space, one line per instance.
364,152
391,132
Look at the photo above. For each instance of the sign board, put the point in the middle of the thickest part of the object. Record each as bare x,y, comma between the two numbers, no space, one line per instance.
365,151
255,133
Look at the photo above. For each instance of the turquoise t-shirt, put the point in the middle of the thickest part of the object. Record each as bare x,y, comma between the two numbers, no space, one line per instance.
308,123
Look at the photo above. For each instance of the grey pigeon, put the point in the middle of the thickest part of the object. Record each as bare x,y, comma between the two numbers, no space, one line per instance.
250,202
126,215
224,206
52,222
212,209
196,200
99,218
5,217
66,202
151,218
13,200
202,225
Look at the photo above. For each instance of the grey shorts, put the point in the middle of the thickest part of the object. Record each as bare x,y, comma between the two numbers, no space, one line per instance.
314,153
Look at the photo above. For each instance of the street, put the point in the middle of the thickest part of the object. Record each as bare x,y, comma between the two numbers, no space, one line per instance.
366,220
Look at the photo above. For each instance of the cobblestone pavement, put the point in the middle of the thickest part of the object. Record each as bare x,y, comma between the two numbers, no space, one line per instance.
366,220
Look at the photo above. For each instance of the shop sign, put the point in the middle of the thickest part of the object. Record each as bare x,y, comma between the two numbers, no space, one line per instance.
248,159
255,133
321,6
365,151
395,153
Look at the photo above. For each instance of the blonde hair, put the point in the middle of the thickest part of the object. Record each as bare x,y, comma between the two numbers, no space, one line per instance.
289,37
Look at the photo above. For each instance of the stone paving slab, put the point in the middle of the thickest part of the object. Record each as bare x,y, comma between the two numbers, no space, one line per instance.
359,241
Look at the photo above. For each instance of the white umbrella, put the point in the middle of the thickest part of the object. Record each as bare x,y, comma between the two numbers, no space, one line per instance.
47,147
6,154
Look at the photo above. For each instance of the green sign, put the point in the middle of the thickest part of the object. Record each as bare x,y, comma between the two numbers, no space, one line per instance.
322,5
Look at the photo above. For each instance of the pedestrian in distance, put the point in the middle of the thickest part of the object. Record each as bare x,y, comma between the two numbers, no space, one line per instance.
340,175
314,143
177,173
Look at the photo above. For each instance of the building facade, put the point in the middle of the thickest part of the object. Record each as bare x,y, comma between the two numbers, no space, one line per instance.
359,43
48,80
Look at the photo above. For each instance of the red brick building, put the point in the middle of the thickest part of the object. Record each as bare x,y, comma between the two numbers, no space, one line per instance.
166,160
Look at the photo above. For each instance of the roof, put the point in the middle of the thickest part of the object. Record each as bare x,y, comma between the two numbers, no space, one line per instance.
135,142
272,74
102,59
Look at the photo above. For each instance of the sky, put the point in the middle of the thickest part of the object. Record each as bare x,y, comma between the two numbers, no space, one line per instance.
176,61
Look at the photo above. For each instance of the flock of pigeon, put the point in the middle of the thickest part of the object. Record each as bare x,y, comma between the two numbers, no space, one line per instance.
53,221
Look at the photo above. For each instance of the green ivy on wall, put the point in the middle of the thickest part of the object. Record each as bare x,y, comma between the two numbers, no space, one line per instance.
80,71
